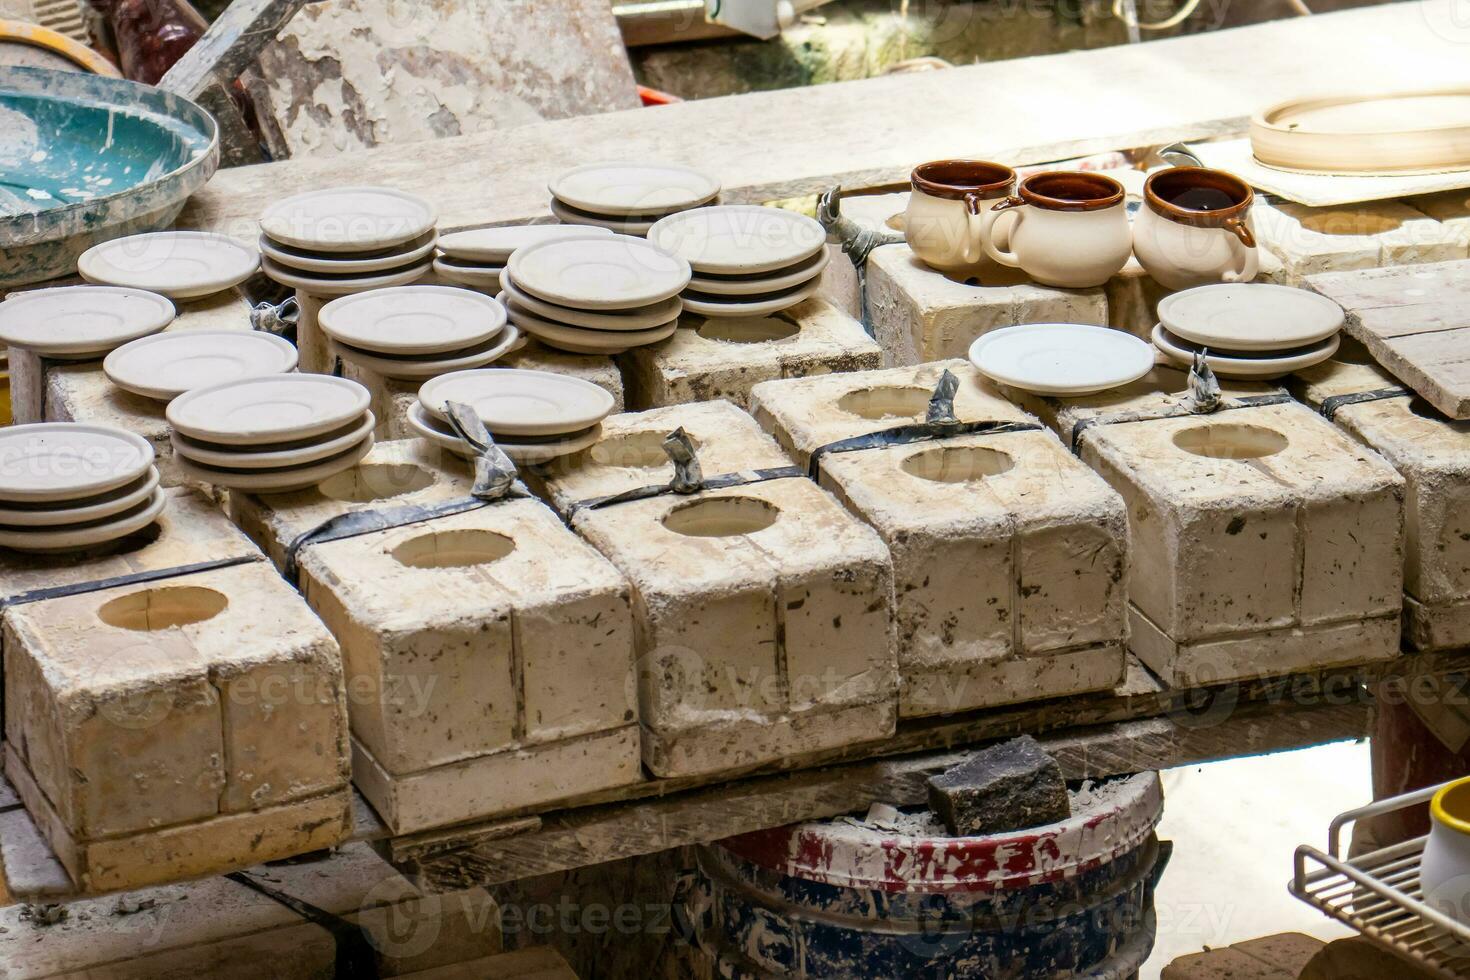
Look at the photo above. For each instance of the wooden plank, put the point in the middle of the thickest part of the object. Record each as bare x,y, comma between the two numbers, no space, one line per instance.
229,46
1415,321
772,145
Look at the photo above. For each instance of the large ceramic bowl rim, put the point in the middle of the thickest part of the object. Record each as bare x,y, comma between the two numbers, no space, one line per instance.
27,228
1441,813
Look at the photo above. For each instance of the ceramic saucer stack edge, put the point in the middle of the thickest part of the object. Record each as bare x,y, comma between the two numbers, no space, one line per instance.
271,434
417,332
595,294
1249,330
534,416
628,198
65,485
747,260
346,240
80,323
476,258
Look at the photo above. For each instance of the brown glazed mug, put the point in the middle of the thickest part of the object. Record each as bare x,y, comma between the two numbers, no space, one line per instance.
1194,228
946,209
1069,228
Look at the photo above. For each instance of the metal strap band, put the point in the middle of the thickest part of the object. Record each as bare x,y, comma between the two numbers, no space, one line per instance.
1332,403
355,958
721,482
132,578
904,435
1175,412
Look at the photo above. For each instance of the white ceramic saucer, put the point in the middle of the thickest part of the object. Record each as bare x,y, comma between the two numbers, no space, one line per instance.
581,340
522,453
80,320
86,535
348,219
276,456
637,318
1250,316
762,282
406,320
573,218
484,278
67,461
176,264
518,402
320,284
764,305
633,188
350,263
739,239
419,368
598,272
278,480
1246,364
493,246
165,365
277,408
1061,358
84,510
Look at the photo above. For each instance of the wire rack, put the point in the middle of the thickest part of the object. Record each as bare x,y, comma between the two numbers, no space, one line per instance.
1378,894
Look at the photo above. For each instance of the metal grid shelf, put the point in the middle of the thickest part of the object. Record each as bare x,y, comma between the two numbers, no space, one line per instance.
1378,894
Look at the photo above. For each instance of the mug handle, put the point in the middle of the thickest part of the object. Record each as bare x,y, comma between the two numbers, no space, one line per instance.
1248,239
975,226
987,231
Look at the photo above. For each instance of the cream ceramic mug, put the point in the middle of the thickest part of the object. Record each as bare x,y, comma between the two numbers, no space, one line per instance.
946,209
1194,228
1068,229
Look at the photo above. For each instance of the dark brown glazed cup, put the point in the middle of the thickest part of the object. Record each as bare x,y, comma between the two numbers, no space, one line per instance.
1164,187
971,181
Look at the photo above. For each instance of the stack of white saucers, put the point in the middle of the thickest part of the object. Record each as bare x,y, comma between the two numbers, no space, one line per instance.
176,264
1249,330
417,332
165,365
271,434
81,323
65,485
747,260
594,294
534,416
335,242
628,197
476,258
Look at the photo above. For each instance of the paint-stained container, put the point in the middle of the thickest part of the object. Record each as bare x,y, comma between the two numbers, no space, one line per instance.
843,898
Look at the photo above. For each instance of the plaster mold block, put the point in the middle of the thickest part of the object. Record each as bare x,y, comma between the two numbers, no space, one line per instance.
1009,555
707,359
1310,240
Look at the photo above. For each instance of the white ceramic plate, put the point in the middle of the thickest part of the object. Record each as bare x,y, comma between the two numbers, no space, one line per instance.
176,264
517,402
441,435
573,218
762,282
348,219
349,264
278,408
1250,316
274,481
598,272
633,188
413,319
165,365
324,285
78,320
493,246
637,318
86,509
85,535
739,239
581,340
66,461
433,365
722,306
1246,364
273,456
483,278
1061,358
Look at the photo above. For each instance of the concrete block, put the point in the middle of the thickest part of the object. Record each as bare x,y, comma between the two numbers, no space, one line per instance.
1362,236
920,315
196,722
1451,209
1009,554
1009,786
707,359
489,660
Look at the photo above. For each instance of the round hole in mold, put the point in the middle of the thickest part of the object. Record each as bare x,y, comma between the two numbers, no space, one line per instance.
886,403
722,517
453,549
160,609
957,464
1230,440
749,329
376,481
1350,223
634,450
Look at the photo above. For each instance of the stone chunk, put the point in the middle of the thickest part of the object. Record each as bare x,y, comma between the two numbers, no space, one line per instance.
1010,786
